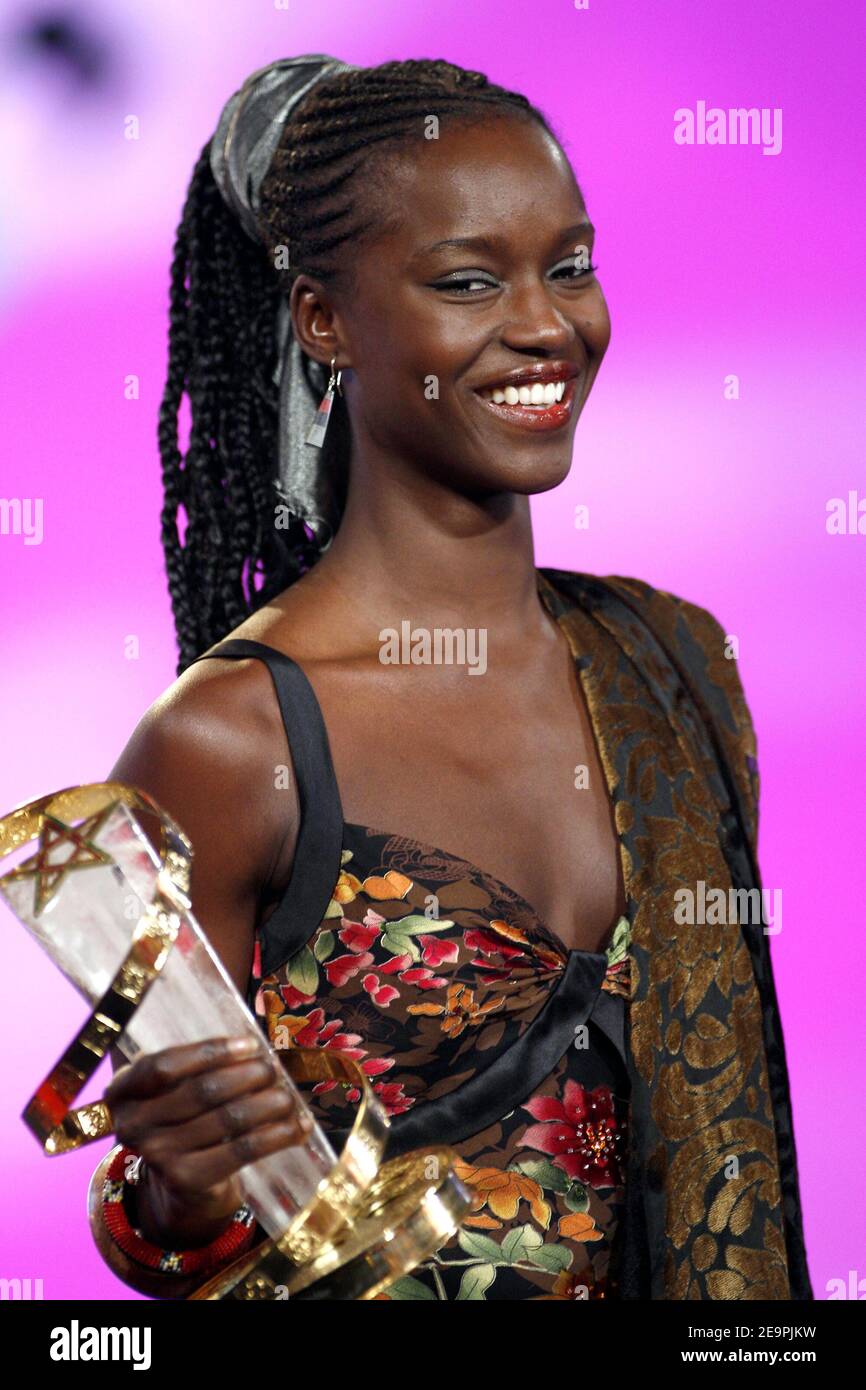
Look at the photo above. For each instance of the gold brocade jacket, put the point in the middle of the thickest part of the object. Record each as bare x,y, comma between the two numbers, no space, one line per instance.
707,1059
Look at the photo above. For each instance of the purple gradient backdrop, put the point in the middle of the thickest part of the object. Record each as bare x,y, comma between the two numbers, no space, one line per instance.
715,260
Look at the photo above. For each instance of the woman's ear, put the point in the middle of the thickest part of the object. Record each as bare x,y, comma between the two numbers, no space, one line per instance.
315,321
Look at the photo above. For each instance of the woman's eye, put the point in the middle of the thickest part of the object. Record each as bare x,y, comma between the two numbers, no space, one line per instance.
462,281
574,268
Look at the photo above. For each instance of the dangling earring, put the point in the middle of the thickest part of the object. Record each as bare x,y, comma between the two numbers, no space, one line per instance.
316,437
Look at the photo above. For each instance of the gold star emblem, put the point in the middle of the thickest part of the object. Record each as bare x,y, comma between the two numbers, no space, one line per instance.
47,869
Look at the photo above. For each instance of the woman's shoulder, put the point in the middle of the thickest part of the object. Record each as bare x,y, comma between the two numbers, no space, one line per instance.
215,708
208,749
222,717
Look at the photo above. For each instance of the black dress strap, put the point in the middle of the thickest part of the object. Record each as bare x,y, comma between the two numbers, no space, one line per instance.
316,865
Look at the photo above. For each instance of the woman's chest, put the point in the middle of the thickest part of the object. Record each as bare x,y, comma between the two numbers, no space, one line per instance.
512,785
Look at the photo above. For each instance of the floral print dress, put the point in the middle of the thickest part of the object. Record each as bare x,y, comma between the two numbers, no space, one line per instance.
432,975
475,1025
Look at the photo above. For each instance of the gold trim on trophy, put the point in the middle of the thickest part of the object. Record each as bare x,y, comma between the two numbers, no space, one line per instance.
47,1114
368,1222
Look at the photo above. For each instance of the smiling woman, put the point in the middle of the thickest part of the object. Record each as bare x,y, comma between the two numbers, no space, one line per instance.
469,886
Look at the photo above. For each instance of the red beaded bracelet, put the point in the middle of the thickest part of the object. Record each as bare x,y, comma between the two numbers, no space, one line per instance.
120,1177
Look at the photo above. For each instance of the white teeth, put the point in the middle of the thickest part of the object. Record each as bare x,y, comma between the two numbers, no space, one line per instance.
538,394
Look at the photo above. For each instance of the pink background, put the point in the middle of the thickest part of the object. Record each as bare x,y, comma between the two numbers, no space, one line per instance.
715,260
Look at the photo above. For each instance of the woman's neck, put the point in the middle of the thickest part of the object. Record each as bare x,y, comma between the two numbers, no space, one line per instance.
438,558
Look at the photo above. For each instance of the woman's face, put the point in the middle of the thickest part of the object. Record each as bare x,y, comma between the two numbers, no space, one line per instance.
431,328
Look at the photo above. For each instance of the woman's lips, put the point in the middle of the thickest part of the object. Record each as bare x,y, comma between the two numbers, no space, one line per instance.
535,417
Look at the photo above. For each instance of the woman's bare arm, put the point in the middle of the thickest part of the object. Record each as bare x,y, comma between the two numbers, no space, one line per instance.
209,752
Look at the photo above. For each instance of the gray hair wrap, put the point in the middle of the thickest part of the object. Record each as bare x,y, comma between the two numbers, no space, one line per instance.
243,145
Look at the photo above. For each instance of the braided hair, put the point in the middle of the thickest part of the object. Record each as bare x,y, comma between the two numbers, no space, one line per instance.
224,555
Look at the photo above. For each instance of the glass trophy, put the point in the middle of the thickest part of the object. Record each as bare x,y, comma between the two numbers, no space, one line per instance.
113,913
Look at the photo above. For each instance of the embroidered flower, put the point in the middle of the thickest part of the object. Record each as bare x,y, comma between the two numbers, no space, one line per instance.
313,1031
343,968
346,889
389,886
502,1190
395,964
459,1009
489,943
617,978
579,1132
358,936
383,995
579,1225
423,978
436,952
293,998
392,1097
390,1093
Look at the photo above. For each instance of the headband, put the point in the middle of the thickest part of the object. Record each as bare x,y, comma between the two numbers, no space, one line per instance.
243,145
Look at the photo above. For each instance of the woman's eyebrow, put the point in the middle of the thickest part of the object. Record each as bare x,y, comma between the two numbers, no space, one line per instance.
493,244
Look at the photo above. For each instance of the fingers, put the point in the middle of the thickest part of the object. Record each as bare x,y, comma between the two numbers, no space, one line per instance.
192,1097
195,1157
200,1112
159,1071
233,1120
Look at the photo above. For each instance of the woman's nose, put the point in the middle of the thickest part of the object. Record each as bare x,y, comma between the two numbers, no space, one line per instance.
532,319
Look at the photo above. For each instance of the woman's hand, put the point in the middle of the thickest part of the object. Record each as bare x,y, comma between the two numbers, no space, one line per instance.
197,1114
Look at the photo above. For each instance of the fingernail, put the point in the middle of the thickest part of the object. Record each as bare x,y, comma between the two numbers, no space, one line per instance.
243,1047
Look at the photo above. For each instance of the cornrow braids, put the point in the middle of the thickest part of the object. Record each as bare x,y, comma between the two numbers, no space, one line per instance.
306,198
225,556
